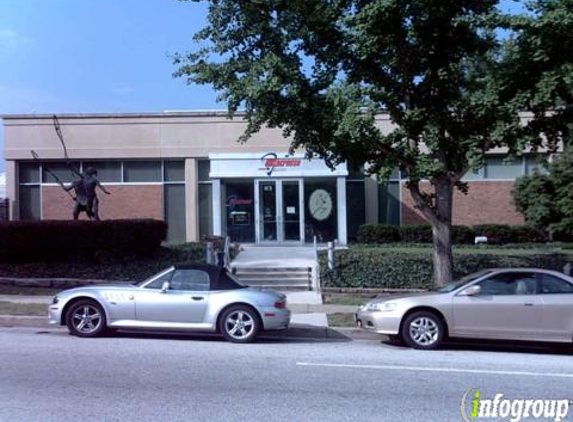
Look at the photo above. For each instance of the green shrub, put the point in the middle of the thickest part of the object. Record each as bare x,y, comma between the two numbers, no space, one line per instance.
385,268
129,270
79,241
416,234
497,234
378,233
500,234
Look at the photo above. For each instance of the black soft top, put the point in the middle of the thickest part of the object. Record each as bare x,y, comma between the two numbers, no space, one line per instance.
219,276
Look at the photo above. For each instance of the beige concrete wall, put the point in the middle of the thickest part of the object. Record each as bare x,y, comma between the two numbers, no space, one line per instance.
162,135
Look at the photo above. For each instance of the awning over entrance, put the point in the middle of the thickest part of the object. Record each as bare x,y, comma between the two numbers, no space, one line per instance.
270,164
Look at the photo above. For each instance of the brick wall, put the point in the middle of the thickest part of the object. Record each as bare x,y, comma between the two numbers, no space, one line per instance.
142,201
485,203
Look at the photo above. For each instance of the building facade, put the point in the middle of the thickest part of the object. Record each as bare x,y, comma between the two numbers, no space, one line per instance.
188,169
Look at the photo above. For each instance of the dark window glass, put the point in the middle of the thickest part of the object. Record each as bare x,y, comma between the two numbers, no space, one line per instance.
142,171
174,198
190,280
355,172
204,167
389,203
29,172
30,203
107,171
320,218
509,284
158,283
61,170
554,285
205,210
239,211
174,171
355,208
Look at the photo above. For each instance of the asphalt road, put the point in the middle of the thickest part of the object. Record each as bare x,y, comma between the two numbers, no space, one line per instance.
51,376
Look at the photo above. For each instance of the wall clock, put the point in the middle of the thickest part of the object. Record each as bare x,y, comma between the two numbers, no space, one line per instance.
320,204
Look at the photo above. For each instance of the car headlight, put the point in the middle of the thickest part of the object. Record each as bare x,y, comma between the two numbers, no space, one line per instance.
381,306
55,300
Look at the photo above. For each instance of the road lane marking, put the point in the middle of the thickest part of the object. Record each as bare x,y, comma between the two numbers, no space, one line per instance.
426,369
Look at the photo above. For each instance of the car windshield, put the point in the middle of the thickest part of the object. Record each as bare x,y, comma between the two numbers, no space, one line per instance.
464,280
154,276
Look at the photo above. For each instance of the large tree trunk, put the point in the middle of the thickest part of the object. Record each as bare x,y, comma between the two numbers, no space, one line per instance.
438,212
443,259
442,232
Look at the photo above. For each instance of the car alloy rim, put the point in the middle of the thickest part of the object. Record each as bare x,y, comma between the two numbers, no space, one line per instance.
239,324
424,331
86,319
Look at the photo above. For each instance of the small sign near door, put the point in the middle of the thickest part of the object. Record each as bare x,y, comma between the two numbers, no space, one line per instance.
291,210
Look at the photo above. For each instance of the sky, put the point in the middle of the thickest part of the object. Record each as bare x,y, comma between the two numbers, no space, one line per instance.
80,56
86,56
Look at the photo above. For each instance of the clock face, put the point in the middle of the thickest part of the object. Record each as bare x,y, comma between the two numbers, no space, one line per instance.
320,204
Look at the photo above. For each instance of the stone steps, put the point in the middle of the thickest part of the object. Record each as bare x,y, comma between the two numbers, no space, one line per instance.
276,278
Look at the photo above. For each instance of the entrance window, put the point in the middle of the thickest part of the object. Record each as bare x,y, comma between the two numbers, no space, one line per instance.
320,201
239,211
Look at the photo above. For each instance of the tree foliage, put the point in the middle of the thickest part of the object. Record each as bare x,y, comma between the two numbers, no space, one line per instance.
538,68
323,70
546,200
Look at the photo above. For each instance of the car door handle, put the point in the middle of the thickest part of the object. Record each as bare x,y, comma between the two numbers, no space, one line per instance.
197,298
529,303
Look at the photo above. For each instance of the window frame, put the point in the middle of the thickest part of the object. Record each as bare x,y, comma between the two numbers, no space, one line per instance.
514,274
540,284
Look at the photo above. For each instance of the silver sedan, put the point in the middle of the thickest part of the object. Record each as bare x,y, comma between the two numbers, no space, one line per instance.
183,297
508,304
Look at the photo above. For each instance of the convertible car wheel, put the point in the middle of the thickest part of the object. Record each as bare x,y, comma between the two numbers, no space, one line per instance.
239,324
423,330
86,318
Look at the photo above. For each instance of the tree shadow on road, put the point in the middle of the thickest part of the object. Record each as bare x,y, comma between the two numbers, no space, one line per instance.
503,346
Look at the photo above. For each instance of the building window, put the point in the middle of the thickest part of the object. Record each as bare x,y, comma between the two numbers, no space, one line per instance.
61,171
320,221
205,209
499,167
142,171
29,172
389,203
107,171
30,203
174,171
535,164
355,200
204,170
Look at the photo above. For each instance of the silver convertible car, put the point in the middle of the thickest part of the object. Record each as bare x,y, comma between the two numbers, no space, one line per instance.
506,304
183,297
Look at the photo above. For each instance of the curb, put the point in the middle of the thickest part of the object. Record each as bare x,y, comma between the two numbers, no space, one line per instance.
294,332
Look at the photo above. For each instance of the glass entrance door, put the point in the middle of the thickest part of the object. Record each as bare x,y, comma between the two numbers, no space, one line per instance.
279,211
291,210
268,211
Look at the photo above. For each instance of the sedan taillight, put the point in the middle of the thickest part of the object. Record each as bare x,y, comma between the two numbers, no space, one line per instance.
281,304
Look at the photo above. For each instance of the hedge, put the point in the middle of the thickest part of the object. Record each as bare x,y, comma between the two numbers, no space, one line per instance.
79,241
387,268
497,234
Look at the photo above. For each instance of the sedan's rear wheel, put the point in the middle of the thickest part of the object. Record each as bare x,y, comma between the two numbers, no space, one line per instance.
423,330
86,318
239,324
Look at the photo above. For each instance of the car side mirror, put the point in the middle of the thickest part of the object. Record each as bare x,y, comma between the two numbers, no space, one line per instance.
471,291
166,286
